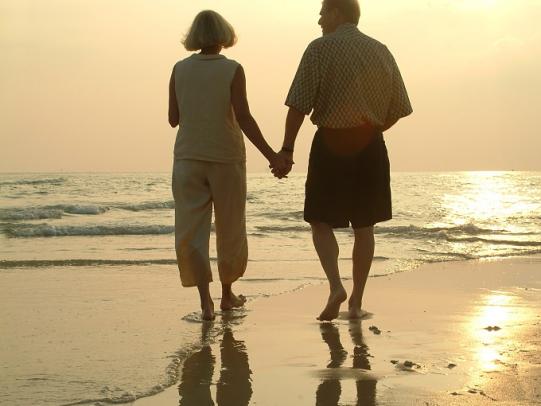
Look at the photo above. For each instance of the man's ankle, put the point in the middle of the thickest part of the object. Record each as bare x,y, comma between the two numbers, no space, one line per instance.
336,287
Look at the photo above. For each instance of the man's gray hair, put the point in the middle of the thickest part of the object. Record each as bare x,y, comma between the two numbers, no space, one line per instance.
350,9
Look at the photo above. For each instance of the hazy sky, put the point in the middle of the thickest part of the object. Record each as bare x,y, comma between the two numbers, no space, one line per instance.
83,83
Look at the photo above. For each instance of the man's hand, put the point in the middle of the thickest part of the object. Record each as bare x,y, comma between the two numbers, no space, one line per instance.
281,164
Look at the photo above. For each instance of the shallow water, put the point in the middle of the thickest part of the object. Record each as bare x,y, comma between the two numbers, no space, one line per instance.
129,217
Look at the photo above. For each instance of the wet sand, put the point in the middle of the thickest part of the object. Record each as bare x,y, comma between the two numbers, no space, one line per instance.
457,333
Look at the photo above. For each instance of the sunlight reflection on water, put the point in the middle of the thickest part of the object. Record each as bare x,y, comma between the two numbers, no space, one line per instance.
487,196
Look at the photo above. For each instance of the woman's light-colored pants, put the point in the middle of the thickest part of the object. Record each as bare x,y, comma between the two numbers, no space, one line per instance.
198,186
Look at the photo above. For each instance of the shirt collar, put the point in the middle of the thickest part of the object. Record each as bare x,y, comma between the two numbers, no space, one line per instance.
207,57
346,27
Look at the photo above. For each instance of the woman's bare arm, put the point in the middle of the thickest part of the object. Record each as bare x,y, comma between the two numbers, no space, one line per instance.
247,123
173,106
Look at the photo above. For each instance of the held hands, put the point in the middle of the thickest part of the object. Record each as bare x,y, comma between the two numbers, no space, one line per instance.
281,164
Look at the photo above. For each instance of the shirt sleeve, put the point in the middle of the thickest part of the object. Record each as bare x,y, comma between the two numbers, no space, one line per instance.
303,91
399,105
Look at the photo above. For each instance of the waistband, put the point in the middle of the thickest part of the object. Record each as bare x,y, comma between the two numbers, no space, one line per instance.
365,130
349,141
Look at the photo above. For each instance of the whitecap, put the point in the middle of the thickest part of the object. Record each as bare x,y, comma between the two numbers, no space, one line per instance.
48,230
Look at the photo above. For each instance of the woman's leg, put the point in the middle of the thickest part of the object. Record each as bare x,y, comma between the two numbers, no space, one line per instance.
207,305
228,186
193,215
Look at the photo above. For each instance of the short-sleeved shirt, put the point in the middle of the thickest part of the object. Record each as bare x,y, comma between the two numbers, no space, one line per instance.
347,79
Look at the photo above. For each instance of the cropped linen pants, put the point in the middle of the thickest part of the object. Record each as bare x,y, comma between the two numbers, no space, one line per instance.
198,187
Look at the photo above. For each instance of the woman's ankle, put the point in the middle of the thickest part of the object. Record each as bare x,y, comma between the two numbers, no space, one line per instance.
227,290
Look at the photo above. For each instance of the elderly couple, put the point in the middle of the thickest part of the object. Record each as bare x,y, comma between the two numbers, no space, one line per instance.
352,87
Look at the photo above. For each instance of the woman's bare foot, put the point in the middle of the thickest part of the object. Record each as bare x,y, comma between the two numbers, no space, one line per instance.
336,298
231,301
207,311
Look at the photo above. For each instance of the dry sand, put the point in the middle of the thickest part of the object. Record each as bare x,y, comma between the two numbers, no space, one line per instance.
458,333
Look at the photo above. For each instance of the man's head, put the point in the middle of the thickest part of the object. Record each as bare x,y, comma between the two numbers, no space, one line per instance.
336,12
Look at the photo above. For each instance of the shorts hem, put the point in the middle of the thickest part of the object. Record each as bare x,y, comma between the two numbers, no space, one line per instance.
347,223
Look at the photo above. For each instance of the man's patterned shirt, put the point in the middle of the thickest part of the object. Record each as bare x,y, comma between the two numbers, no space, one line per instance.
348,79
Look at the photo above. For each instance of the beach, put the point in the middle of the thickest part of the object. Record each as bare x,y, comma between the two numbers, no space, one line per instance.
429,338
454,333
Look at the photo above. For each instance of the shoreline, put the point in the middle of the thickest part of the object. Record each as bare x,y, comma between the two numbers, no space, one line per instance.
461,332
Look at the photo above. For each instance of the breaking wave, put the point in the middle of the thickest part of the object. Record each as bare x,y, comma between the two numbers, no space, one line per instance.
50,212
48,230
47,181
147,206
59,210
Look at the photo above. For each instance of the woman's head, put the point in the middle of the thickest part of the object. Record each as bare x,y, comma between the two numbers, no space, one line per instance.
209,30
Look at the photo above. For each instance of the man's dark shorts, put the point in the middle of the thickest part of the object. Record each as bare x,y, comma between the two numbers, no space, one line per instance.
348,179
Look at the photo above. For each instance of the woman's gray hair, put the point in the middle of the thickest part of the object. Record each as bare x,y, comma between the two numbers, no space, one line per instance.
350,9
209,29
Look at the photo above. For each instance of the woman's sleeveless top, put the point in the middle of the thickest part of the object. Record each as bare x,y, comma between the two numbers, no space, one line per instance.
208,129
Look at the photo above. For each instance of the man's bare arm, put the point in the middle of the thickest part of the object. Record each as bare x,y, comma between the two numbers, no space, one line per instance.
294,121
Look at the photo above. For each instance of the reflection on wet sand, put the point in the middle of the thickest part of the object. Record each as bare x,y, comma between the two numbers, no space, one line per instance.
496,333
234,387
197,371
329,390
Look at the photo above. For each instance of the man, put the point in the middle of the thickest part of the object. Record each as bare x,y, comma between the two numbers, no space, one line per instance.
353,88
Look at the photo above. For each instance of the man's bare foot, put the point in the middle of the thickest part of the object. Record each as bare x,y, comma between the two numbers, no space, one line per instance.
333,305
356,313
231,301
354,309
207,311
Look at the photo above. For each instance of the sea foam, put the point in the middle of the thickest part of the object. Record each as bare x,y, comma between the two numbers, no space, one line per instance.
48,230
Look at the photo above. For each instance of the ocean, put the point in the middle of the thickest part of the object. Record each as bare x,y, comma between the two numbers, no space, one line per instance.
108,232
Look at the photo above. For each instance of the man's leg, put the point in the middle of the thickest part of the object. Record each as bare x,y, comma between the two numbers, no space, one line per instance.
327,250
363,253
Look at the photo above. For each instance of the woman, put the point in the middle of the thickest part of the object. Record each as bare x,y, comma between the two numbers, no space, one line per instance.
207,100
